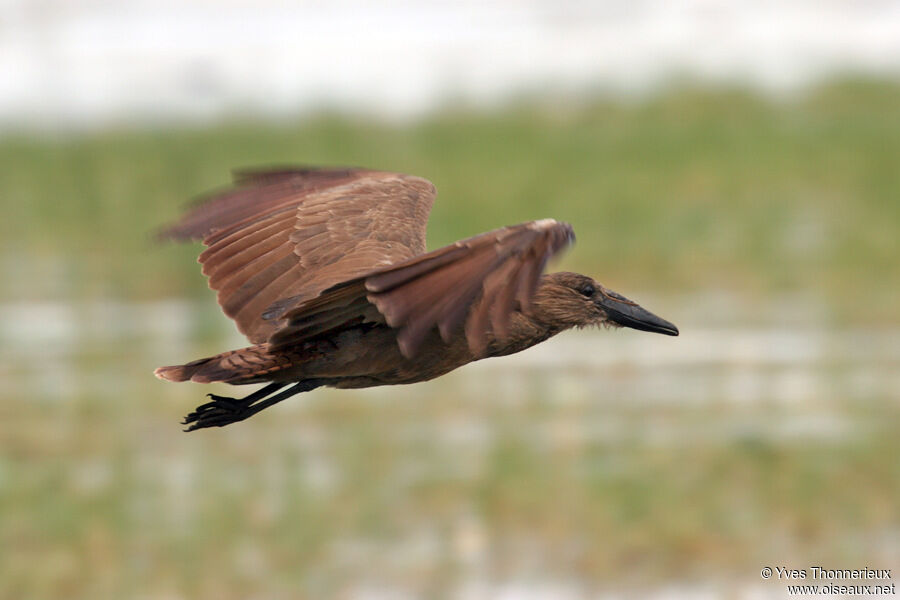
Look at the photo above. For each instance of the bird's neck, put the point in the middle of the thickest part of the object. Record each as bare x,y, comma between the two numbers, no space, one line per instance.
524,332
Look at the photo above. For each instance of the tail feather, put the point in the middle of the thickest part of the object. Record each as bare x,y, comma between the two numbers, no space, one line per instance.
247,365
182,372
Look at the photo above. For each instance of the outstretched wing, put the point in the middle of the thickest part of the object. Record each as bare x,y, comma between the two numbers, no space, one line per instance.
280,237
479,281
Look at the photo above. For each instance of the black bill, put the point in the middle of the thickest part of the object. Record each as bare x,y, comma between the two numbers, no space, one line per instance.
624,312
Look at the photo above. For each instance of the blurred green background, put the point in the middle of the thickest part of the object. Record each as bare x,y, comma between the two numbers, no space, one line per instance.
689,189
602,461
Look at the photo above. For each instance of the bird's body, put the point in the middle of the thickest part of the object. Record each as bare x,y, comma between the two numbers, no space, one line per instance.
325,272
360,355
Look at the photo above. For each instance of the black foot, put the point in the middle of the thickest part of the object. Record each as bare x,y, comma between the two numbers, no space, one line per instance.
220,412
224,411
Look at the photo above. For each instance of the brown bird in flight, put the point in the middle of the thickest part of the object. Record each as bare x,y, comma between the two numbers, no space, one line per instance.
325,271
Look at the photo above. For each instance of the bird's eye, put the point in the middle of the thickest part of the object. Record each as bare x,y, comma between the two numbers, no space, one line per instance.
587,290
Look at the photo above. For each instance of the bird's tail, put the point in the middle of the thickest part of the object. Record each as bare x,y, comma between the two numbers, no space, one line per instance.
247,365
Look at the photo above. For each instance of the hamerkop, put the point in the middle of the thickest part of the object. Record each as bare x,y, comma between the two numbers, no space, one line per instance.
325,271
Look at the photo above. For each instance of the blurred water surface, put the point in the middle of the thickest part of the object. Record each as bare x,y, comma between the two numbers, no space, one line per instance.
601,462
88,63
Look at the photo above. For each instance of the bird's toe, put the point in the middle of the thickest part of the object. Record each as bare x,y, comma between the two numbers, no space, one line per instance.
218,413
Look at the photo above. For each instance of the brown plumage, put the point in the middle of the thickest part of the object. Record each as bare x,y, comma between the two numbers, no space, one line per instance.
325,272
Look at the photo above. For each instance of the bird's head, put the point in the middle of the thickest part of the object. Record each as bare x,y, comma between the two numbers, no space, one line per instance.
573,300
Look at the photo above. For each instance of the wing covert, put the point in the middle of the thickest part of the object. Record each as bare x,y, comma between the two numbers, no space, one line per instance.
280,237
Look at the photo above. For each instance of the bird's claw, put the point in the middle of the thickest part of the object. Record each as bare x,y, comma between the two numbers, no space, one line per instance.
218,413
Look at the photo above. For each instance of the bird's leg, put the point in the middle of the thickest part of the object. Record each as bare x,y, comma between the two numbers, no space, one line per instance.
223,405
235,403
224,411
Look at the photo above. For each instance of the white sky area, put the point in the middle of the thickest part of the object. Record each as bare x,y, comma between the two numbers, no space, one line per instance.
88,63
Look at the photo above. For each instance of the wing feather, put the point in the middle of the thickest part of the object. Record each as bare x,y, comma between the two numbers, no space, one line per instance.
282,236
249,237
478,282
257,192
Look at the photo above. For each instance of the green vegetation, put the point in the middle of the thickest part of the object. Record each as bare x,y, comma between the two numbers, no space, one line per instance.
675,470
689,190
423,488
